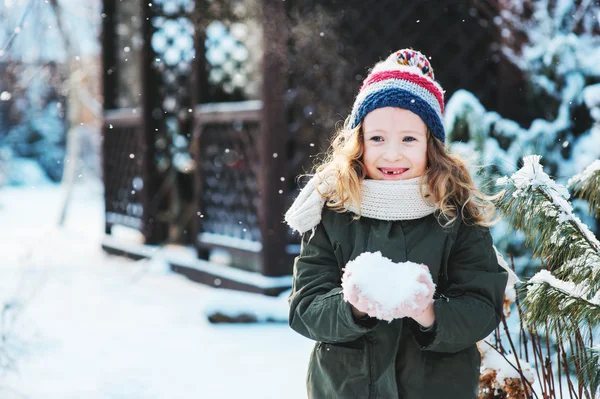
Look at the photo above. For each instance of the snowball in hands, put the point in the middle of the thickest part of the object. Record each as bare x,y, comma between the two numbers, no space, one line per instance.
386,290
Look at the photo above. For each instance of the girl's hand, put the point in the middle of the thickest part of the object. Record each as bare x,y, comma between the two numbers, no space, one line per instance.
427,318
357,302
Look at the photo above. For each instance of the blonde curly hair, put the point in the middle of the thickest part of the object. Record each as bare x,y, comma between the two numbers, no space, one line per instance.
448,181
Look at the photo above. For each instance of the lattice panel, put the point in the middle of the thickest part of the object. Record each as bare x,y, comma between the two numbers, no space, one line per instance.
227,57
233,51
124,177
173,44
229,189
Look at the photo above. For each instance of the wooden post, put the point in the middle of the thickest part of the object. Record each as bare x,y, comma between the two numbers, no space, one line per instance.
155,231
109,55
199,96
273,138
109,83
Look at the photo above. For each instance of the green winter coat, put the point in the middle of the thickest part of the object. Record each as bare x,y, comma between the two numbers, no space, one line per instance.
375,359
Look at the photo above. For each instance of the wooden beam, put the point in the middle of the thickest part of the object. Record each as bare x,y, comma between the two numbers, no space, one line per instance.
123,117
273,138
218,281
247,111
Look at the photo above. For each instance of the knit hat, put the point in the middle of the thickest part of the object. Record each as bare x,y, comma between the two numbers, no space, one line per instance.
405,80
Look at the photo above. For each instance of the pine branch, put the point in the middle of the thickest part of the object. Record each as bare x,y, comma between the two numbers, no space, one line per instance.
582,270
586,186
545,301
591,371
548,224
537,205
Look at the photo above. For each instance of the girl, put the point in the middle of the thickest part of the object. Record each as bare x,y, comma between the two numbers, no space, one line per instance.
389,185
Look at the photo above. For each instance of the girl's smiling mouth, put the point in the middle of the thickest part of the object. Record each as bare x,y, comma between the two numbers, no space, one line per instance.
392,172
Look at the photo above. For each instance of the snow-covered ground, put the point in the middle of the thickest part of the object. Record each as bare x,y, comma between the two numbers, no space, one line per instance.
84,324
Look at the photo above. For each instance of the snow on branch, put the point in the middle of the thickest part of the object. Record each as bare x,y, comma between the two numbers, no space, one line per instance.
586,186
552,301
589,172
581,291
539,206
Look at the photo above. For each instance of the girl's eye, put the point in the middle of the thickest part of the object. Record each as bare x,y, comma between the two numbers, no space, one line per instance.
376,138
409,139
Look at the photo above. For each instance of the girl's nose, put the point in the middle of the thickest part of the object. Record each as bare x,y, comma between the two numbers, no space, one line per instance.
392,155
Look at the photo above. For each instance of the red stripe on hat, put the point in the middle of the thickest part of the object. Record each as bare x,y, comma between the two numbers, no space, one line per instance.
409,76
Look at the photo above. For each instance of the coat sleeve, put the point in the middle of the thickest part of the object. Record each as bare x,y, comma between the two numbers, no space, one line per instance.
317,308
475,294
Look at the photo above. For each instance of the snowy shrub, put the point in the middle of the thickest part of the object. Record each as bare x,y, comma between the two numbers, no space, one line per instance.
560,311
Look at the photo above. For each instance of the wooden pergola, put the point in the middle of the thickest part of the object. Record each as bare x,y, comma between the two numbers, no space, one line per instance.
190,161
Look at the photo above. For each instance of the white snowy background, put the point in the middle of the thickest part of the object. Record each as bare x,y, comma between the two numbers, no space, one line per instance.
84,324
76,322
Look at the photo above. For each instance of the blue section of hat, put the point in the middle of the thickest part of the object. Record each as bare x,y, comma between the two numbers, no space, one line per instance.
394,97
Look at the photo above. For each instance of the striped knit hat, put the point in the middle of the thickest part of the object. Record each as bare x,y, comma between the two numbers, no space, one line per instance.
405,80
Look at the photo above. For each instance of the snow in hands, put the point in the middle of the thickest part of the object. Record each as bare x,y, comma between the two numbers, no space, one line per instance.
387,290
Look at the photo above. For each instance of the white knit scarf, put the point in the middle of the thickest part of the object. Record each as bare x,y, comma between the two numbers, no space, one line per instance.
381,199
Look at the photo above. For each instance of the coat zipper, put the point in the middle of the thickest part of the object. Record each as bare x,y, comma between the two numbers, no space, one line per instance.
369,347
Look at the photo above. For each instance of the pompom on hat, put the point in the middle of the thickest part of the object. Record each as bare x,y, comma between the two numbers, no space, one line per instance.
405,80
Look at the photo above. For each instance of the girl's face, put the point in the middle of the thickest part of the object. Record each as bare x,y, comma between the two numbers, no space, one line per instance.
395,141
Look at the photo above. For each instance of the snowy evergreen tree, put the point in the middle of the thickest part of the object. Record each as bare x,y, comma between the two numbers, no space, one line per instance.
556,46
563,297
